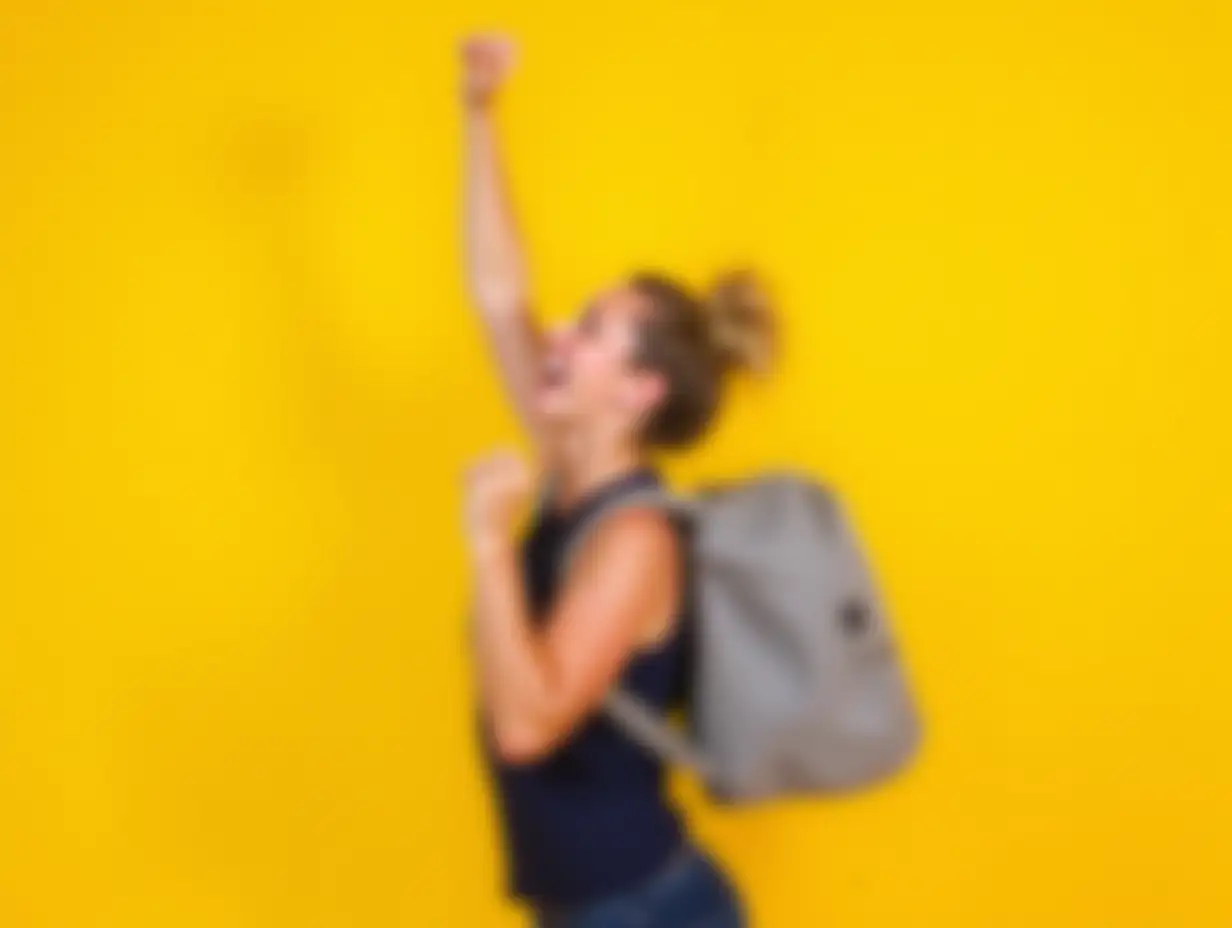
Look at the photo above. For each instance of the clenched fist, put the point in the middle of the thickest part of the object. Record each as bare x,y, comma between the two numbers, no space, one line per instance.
486,61
496,488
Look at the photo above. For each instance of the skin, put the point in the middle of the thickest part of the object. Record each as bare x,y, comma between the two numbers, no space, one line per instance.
582,402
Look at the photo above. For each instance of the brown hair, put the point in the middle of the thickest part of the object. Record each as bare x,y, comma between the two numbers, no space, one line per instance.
695,342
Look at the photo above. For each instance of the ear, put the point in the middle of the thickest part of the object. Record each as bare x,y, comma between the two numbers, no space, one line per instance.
647,390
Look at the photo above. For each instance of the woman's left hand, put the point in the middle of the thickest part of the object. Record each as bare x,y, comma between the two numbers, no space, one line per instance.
496,487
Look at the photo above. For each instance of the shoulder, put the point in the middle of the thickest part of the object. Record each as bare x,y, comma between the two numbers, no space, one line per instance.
638,536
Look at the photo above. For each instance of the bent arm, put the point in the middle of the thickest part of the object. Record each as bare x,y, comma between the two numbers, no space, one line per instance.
538,683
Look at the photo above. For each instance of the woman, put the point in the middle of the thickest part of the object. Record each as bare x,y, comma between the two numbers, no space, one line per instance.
592,840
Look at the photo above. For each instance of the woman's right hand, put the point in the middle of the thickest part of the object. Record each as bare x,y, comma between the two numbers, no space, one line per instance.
486,61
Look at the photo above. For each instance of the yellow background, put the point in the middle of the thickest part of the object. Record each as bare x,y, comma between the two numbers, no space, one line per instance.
239,381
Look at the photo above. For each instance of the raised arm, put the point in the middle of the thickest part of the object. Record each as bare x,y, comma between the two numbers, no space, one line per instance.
495,265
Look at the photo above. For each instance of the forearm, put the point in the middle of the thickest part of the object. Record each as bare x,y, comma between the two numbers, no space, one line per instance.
496,267
540,675
515,683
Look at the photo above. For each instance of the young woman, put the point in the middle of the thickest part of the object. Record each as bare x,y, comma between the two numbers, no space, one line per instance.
592,840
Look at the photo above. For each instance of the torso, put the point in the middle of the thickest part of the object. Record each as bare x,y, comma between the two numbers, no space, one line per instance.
592,819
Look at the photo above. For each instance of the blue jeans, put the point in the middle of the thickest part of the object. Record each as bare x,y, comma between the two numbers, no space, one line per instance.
690,892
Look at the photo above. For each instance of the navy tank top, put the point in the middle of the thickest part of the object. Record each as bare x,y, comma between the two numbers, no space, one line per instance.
592,819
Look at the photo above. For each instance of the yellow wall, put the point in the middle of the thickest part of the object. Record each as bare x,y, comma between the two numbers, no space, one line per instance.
239,381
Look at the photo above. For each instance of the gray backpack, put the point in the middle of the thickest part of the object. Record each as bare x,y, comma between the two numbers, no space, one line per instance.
797,687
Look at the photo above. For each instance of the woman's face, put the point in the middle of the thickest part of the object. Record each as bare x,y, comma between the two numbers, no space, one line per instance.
589,370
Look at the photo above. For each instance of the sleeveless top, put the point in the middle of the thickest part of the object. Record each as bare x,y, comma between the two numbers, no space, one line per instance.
591,819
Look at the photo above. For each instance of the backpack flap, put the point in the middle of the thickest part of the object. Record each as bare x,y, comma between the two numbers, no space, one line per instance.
799,687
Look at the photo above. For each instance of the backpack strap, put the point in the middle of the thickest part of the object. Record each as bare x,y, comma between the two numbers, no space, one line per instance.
645,727
640,722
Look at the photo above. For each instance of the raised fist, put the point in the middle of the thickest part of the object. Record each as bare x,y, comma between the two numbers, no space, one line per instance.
486,60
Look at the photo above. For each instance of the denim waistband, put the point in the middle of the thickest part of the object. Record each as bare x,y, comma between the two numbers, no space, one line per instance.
683,856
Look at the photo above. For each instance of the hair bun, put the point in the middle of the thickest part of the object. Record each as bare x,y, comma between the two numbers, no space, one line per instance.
740,320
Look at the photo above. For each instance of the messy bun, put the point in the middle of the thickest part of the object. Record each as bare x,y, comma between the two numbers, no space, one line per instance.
695,343
740,321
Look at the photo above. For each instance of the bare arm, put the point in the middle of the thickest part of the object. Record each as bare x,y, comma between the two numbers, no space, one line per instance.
538,681
496,273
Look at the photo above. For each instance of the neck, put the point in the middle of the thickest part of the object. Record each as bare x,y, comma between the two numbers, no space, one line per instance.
586,465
